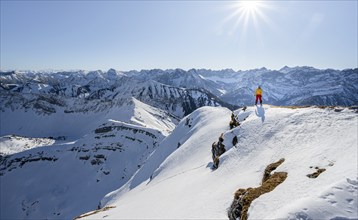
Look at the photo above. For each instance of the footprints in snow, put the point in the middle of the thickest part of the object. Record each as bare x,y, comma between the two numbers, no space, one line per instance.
318,171
341,197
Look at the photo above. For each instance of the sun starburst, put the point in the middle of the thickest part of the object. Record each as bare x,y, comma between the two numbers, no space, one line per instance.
247,13
249,6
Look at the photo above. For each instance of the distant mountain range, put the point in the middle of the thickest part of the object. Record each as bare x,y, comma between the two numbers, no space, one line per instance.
177,91
96,91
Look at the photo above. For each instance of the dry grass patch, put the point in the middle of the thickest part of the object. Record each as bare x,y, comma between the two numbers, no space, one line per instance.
317,173
271,168
94,212
244,197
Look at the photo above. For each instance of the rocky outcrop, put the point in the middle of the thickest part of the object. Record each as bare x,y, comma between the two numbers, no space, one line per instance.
8,163
217,149
233,123
243,197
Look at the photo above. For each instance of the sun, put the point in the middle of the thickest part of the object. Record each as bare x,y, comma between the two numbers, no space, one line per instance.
246,14
249,6
249,9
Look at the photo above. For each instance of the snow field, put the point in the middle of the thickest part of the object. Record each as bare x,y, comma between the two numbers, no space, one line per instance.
183,186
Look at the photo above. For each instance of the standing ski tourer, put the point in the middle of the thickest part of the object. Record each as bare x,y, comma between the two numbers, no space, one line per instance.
258,94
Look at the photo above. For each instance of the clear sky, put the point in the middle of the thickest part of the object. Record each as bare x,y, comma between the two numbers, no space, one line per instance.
135,35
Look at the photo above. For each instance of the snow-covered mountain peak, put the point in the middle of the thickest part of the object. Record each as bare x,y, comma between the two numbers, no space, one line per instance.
287,69
113,74
94,74
148,116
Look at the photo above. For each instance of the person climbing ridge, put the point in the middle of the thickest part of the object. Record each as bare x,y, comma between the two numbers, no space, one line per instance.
258,94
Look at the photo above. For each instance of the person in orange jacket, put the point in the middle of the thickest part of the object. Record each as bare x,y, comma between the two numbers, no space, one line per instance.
258,94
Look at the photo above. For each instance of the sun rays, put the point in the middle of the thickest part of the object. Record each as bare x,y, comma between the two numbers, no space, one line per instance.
246,14
249,6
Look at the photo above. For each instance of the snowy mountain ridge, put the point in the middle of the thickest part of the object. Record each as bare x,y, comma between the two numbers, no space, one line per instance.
287,86
95,92
178,182
127,143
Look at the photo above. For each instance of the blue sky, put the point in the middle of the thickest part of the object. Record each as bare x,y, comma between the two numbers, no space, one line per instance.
127,35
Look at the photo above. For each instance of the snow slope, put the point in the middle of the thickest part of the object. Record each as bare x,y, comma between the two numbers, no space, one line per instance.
28,122
59,178
11,144
177,182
